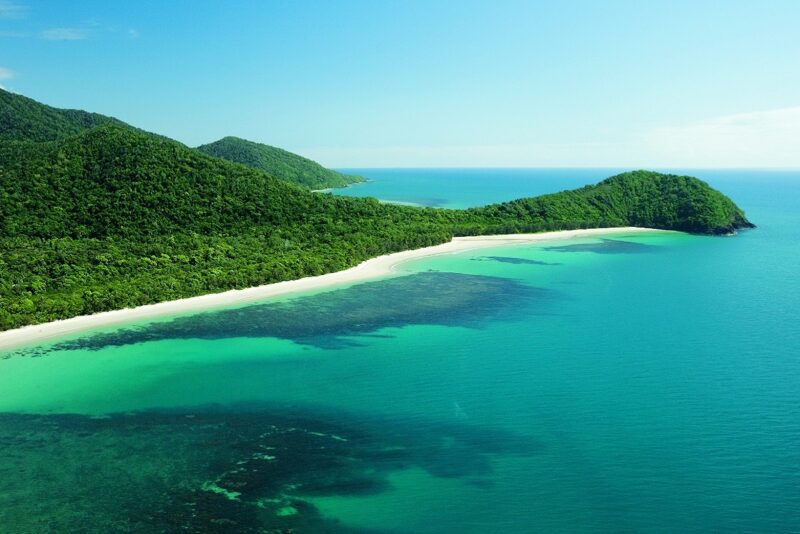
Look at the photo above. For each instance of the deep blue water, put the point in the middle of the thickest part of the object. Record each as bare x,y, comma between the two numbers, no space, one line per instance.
633,383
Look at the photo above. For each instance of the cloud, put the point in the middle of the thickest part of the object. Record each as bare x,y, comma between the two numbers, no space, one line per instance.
64,34
757,139
90,29
6,74
11,10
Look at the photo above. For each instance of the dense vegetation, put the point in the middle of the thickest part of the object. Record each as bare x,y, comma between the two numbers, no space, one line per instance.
24,119
112,217
278,163
638,198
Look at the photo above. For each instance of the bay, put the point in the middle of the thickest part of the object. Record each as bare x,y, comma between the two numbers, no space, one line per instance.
646,382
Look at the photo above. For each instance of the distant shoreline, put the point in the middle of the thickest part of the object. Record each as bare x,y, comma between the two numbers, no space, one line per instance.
369,269
346,186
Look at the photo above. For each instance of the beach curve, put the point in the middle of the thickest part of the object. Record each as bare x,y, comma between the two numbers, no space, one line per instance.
372,268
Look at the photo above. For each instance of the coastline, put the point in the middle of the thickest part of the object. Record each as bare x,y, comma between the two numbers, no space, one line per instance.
369,269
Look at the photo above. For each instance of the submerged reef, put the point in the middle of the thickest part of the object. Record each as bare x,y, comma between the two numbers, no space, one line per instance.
332,319
606,246
514,261
242,469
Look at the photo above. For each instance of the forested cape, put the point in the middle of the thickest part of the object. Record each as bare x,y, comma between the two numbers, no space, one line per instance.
278,163
97,215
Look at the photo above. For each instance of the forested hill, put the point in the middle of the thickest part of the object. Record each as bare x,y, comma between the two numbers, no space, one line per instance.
117,182
278,163
113,217
24,119
639,198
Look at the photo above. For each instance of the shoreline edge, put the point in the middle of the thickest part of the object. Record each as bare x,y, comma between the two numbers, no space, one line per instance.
368,269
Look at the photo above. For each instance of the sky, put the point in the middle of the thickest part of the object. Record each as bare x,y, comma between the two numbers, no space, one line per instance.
430,83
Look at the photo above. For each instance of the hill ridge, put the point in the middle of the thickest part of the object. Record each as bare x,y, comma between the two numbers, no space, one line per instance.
278,162
25,119
113,217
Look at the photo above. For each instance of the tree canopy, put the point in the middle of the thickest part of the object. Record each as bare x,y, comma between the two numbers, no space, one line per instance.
278,163
24,119
96,215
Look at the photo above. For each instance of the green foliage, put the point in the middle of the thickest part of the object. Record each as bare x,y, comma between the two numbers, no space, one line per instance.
278,163
111,217
638,198
23,119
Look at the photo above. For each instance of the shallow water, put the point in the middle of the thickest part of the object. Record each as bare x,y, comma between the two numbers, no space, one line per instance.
643,382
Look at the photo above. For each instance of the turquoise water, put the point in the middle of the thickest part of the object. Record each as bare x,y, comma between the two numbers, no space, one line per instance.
461,188
635,383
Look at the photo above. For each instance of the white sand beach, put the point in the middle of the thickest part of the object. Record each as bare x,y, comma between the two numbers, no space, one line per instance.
372,268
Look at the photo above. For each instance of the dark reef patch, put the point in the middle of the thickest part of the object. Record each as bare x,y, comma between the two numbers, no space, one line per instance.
431,202
330,320
242,469
422,202
606,246
514,261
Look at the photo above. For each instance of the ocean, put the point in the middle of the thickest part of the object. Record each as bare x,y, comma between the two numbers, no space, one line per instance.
634,383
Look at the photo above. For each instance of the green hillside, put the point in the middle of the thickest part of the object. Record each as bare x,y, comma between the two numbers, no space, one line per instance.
278,163
24,119
638,198
113,217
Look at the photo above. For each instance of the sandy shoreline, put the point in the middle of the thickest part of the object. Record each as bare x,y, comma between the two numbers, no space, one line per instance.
372,268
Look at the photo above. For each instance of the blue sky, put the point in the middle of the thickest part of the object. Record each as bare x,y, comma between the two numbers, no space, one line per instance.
650,84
